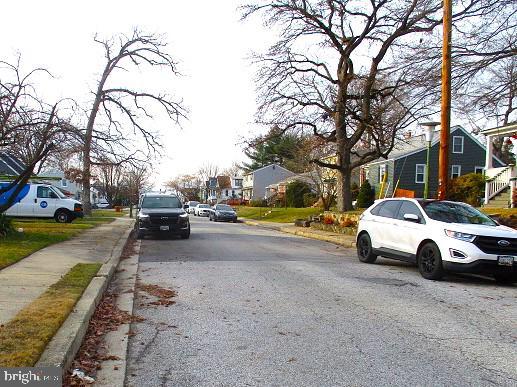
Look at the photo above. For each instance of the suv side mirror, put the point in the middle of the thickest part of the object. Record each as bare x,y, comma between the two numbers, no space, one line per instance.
412,218
185,206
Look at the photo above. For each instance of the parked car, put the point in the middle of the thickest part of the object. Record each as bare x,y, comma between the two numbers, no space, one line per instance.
202,210
439,236
191,206
161,213
42,201
222,212
103,203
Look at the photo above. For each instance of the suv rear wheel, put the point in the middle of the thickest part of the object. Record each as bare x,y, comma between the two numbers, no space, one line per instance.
364,249
430,262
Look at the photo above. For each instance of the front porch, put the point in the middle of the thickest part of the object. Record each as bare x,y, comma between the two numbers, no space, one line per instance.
501,181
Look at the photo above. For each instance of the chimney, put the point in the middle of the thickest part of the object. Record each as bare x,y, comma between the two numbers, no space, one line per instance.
408,135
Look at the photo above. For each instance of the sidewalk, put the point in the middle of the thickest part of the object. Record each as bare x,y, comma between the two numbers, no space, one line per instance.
27,279
307,232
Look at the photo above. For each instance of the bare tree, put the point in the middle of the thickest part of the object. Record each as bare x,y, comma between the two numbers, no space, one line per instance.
336,72
26,121
207,171
234,170
120,105
187,186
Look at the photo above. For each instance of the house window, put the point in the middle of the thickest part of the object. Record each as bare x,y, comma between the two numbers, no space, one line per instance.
455,171
226,194
457,144
64,183
382,171
420,173
479,170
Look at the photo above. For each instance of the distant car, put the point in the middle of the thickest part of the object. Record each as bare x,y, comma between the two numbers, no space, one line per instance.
103,203
202,210
438,236
191,205
161,213
222,212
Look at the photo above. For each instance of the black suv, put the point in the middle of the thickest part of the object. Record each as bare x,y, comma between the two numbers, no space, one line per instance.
161,213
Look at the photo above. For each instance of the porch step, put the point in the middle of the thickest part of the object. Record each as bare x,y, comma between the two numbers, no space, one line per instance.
501,200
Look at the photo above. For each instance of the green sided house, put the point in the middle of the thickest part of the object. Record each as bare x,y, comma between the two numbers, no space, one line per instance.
406,165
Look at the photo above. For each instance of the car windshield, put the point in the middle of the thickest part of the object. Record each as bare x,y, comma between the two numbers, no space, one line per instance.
193,204
451,212
203,206
161,202
60,193
223,207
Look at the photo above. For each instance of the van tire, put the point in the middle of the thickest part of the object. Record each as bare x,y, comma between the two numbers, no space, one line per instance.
63,216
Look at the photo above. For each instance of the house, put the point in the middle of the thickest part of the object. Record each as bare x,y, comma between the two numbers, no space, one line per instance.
222,188
406,165
501,178
229,187
10,165
276,191
71,188
254,183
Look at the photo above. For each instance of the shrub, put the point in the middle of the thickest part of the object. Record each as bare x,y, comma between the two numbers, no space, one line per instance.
6,225
467,188
309,199
257,203
328,219
295,192
366,195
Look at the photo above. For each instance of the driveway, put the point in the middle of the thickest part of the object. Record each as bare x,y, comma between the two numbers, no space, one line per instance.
259,307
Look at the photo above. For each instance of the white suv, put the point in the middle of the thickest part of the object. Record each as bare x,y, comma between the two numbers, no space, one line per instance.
438,236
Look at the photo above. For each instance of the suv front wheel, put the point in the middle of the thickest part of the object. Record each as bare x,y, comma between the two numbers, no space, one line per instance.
364,249
430,262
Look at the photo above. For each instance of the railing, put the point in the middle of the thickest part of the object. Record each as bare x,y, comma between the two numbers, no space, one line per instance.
498,183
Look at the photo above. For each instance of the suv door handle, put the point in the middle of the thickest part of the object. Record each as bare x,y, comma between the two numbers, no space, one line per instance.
35,200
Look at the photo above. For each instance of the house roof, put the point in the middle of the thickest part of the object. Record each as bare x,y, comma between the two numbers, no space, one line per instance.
10,165
417,143
267,166
224,181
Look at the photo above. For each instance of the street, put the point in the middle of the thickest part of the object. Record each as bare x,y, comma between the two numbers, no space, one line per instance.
259,307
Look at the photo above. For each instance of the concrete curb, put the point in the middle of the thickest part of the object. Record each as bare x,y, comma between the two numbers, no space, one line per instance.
337,240
113,372
61,350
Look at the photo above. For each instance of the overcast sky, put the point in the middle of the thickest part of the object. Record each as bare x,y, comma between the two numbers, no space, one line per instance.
206,37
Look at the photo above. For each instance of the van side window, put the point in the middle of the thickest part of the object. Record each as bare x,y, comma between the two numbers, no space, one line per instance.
46,193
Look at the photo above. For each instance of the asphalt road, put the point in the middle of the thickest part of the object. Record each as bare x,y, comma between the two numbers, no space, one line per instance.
258,307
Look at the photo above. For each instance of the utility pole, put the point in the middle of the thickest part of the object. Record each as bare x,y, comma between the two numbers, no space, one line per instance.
443,160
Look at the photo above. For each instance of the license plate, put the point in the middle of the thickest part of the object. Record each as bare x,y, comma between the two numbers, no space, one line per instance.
164,228
505,260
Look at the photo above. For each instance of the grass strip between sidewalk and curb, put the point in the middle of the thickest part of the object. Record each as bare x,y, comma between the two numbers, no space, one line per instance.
40,233
24,338
276,214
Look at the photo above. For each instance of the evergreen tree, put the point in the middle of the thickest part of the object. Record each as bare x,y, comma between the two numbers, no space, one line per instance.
366,195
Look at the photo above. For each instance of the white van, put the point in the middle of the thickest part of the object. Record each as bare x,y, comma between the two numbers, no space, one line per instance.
42,201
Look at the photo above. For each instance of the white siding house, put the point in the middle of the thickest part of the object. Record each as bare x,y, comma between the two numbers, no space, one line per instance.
255,182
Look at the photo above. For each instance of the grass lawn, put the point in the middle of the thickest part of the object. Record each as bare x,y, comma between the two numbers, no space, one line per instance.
279,215
24,338
39,233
